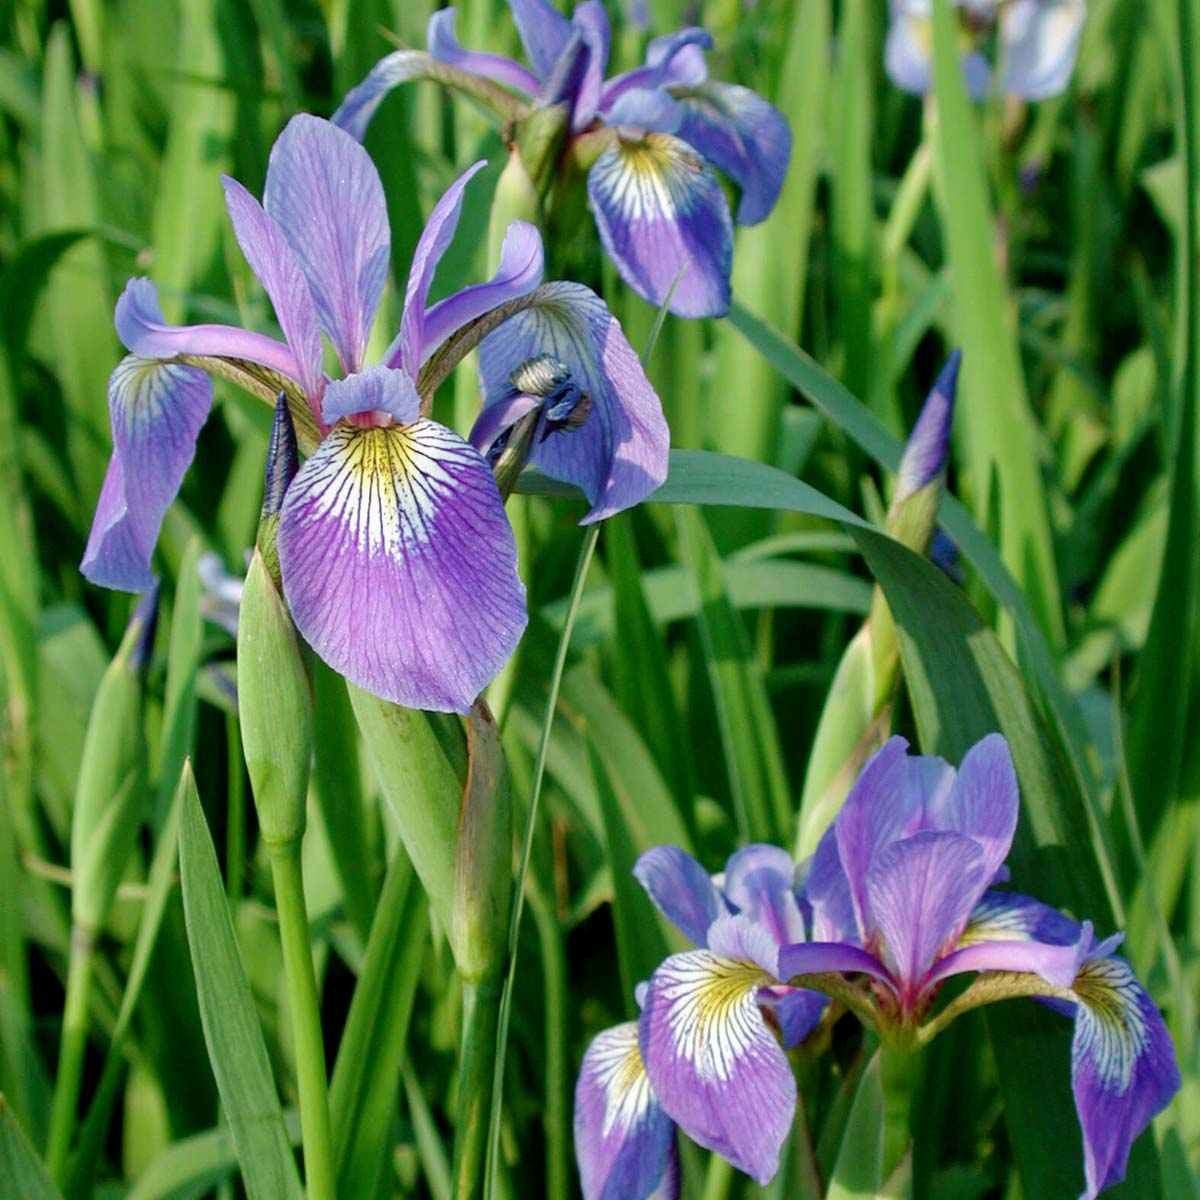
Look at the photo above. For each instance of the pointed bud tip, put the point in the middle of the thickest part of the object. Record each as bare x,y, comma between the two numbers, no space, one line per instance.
283,458
929,443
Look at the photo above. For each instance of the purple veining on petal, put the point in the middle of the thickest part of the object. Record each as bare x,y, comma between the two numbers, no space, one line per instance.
681,889
399,565
156,410
324,193
143,329
406,351
442,42
664,222
619,455
271,258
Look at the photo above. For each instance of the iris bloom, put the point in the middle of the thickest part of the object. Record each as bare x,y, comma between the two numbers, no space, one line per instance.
900,895
708,1053
654,135
1038,42
398,562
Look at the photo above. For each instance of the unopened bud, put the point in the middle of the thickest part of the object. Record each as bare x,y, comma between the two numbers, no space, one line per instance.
516,199
283,461
274,706
110,793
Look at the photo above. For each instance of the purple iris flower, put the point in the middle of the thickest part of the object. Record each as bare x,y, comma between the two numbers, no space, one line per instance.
398,561
1038,43
660,210
901,893
709,1050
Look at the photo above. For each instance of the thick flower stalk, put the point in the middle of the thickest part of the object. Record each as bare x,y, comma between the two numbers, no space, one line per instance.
1037,40
649,140
900,896
398,563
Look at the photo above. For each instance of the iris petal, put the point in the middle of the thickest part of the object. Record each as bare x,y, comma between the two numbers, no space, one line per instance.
717,1069
738,131
591,20
676,58
399,564
444,48
272,260
544,32
760,884
661,212
1040,42
362,101
619,455
623,1139
324,193
1123,1067
681,889
157,410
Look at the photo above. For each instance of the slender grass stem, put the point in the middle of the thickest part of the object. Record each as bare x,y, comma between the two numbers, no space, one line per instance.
586,550
71,1051
306,1020
481,1015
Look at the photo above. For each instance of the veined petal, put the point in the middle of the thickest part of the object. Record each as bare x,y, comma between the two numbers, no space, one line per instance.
623,1139
399,564
676,58
271,258
984,801
544,32
747,138
662,216
760,883
921,892
377,389
362,101
1123,1067
442,42
1039,45
143,329
619,455
156,410
407,351
325,194
681,889
519,272
717,1069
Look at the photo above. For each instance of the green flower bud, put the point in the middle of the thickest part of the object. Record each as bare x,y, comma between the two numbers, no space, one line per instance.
110,793
274,706
516,199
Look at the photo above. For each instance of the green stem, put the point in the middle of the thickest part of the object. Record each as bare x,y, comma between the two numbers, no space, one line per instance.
481,1017
901,1074
719,1178
71,1051
306,1020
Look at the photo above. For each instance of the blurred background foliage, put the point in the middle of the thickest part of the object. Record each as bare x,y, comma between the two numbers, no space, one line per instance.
707,641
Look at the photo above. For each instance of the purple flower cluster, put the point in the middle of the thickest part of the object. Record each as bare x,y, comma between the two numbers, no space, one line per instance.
900,895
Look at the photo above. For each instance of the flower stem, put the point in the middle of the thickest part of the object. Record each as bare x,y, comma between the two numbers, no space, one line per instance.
481,1016
306,1019
901,1074
71,1051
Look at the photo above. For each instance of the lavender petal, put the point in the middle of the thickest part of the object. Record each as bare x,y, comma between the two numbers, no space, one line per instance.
443,45
362,101
544,32
760,883
1039,46
681,889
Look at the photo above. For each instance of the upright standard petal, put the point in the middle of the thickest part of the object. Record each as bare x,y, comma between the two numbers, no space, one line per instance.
760,883
156,410
717,1069
921,892
677,58
520,271
271,258
908,53
663,218
747,138
591,20
682,890
325,194
623,1139
544,32
1123,1067
1039,45
619,455
144,331
407,351
399,564
442,42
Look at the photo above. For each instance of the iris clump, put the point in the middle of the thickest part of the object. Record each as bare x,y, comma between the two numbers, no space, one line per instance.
900,896
648,139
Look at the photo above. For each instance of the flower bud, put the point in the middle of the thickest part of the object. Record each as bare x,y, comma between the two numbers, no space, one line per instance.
483,856
516,199
283,461
110,793
274,706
